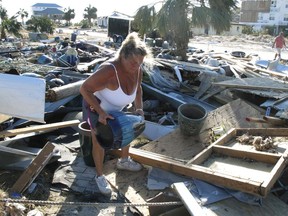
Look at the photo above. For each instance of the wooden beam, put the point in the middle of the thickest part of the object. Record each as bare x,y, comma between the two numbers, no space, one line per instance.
264,157
46,127
34,169
262,131
188,199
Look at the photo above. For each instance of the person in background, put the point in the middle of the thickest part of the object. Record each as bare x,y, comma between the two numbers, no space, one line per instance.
115,84
72,54
279,44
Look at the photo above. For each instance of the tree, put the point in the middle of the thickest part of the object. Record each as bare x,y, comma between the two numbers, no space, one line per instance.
41,24
91,13
9,25
22,13
69,15
144,19
218,14
173,20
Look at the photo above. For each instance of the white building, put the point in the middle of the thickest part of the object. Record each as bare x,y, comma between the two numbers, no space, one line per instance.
263,13
47,9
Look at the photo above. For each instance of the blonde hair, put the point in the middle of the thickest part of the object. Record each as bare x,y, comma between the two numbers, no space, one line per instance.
133,45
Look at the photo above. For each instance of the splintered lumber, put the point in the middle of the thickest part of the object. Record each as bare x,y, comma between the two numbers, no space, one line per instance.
188,199
257,85
188,65
227,85
64,91
34,169
38,128
251,67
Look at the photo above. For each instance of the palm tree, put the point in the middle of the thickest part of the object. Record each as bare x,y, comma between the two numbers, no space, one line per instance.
69,15
9,25
22,13
144,19
173,19
91,13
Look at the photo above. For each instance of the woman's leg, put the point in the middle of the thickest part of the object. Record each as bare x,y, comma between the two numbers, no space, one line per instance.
125,152
98,155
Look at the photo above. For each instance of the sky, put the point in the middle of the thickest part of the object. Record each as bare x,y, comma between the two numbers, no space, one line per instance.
104,7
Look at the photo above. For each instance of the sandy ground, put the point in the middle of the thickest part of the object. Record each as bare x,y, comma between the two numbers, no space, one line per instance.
260,45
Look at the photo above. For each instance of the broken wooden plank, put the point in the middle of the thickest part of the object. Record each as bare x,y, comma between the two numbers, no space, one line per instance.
234,71
253,119
34,169
188,199
216,91
239,86
46,127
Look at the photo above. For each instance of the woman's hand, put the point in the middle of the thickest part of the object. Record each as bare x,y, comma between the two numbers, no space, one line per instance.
139,112
103,118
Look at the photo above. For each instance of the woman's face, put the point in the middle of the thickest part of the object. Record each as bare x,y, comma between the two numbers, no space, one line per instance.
132,63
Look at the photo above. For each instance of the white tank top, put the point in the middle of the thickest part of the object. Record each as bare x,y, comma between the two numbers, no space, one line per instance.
115,100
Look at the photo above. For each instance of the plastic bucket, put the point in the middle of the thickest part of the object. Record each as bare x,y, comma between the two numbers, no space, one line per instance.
86,143
120,131
191,118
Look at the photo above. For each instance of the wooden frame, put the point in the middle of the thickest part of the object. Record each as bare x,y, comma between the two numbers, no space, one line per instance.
195,169
249,185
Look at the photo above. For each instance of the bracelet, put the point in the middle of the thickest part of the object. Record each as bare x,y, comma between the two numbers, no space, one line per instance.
138,110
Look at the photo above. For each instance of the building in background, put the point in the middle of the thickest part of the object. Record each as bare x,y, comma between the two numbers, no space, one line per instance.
265,13
53,11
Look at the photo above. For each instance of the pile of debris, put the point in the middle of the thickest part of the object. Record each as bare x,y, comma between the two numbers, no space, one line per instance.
240,96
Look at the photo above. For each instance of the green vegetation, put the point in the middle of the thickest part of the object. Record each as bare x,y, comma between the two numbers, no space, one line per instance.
41,24
69,15
90,13
9,25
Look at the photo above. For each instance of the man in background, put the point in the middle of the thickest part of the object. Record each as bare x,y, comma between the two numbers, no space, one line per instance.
279,43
